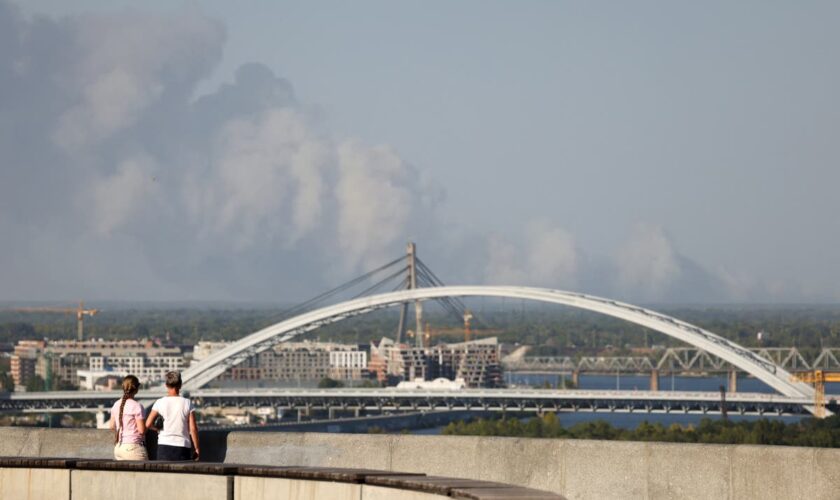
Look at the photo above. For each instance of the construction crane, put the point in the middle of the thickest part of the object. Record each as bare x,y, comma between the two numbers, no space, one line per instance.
467,318
818,378
80,313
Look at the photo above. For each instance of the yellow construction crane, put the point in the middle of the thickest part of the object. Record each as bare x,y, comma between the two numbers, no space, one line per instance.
430,332
467,318
80,313
818,378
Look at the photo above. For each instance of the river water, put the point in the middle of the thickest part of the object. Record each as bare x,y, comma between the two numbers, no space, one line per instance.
642,383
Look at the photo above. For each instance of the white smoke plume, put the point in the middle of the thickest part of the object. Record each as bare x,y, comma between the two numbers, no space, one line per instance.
117,181
103,144
545,255
647,263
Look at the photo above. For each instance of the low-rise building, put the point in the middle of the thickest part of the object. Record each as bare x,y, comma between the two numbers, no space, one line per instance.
149,368
23,360
60,362
293,362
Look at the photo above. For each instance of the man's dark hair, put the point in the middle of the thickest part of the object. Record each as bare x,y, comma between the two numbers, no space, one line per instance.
173,380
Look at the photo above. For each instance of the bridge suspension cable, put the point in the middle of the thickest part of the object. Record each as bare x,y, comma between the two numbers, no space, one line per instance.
321,298
453,305
377,286
423,276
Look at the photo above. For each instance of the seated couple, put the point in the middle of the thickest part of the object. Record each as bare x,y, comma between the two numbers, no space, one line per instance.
178,440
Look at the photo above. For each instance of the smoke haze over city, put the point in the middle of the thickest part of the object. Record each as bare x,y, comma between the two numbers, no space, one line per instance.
654,152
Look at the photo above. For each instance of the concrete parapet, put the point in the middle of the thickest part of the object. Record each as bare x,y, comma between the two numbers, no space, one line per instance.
687,471
40,442
525,462
619,473
370,451
577,469
574,468
109,484
37,478
382,493
34,484
272,488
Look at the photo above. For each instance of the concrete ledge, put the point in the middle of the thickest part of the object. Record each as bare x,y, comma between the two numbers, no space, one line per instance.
382,493
574,468
28,478
34,484
275,488
110,484
40,442
430,484
577,469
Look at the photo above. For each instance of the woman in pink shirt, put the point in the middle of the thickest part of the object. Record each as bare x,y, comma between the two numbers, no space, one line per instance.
128,423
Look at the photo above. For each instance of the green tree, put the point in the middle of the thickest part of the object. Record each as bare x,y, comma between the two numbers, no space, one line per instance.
6,382
35,384
328,383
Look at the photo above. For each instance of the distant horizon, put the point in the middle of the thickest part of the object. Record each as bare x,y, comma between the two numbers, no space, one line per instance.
5,305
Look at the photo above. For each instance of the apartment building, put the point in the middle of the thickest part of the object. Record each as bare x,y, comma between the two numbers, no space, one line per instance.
294,362
23,360
476,362
62,361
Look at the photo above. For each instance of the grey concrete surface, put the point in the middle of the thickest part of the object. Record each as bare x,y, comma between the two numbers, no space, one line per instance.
533,462
269,488
381,493
617,472
108,485
697,472
34,484
40,442
780,473
578,469
309,449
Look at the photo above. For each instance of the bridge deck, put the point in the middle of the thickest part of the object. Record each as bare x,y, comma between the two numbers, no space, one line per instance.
390,399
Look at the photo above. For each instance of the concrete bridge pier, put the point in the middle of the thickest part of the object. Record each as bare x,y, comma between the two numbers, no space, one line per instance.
306,411
102,418
654,379
733,380
576,378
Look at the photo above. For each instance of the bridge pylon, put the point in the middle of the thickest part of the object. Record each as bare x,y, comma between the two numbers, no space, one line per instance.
654,380
411,284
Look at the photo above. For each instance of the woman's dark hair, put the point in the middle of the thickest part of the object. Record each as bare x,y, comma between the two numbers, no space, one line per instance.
130,386
173,380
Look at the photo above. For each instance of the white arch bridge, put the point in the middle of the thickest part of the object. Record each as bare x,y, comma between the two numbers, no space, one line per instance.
768,372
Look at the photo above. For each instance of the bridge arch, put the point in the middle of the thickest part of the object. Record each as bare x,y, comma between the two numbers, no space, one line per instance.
776,377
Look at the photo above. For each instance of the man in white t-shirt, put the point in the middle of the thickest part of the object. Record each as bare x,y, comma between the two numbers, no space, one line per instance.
178,440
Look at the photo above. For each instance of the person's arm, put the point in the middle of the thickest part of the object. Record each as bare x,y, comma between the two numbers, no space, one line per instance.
111,424
141,424
194,435
150,421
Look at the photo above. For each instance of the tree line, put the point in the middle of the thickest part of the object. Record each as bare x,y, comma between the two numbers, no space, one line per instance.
552,330
813,432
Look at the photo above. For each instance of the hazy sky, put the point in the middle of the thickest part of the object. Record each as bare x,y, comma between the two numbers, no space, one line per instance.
650,151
